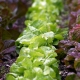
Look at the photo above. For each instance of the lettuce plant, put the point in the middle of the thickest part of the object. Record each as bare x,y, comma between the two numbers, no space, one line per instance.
37,54
69,50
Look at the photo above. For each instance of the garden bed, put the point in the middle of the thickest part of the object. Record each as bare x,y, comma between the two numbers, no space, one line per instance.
69,68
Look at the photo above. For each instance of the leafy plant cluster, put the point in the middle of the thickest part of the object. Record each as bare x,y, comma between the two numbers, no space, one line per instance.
69,50
11,18
37,54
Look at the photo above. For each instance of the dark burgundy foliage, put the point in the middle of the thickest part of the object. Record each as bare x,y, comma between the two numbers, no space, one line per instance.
69,55
69,50
12,17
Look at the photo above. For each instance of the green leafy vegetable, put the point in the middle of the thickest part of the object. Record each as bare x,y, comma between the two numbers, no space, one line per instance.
36,59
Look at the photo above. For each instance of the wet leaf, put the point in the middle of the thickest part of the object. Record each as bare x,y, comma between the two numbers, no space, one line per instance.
70,76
